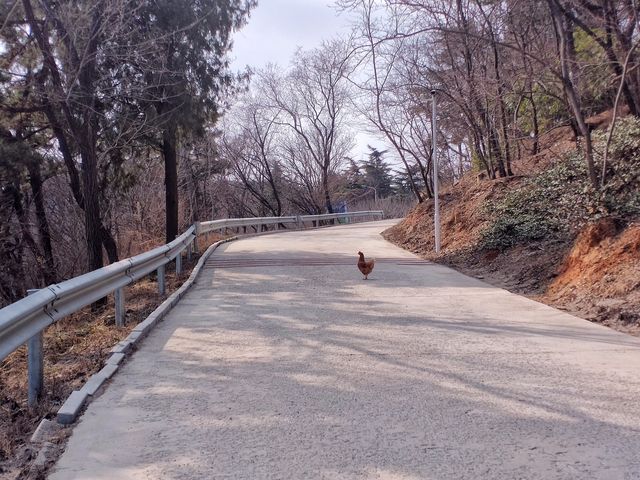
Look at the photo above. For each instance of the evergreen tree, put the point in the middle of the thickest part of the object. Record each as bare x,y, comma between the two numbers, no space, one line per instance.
402,180
377,173
355,178
191,43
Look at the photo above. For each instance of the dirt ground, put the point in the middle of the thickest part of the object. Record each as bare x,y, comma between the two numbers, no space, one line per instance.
600,276
74,349
595,275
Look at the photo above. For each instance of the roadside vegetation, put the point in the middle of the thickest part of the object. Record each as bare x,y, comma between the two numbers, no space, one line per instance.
556,203
547,233
74,349
121,123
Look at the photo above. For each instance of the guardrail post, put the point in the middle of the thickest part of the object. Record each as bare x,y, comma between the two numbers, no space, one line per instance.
36,368
189,247
118,297
195,239
35,362
179,263
161,285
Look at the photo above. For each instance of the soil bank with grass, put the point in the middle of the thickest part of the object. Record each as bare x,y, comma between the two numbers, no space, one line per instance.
547,233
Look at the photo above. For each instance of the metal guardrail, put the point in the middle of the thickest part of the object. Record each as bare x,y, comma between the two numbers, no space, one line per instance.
205,227
25,318
298,220
337,216
23,321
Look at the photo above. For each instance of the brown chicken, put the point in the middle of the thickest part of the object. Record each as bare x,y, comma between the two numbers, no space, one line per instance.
365,266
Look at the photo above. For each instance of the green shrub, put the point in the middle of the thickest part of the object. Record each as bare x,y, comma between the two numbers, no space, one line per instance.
506,232
538,209
557,202
620,195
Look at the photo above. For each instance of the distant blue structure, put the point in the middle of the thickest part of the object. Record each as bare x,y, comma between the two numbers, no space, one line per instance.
342,208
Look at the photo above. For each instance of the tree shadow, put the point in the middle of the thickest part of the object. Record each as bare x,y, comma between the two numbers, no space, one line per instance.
307,371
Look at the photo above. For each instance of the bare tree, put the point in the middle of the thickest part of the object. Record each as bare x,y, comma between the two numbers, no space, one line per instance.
312,99
69,88
566,49
249,143
386,103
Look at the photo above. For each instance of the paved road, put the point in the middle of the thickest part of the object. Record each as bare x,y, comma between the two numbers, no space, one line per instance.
282,363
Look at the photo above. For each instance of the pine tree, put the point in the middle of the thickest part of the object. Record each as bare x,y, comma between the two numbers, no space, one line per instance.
377,173
191,43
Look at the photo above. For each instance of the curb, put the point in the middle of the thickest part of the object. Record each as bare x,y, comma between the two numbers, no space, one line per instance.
70,410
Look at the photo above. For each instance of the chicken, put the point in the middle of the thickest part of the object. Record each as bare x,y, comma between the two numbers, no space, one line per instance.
365,266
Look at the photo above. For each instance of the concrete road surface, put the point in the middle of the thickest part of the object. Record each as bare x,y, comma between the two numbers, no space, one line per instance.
283,363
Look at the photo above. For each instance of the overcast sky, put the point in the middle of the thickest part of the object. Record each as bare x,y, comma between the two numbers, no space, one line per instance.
277,28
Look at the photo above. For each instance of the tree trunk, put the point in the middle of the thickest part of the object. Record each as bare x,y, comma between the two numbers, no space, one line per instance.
426,178
14,262
494,147
35,180
12,287
170,181
87,142
461,158
83,130
536,126
610,23
505,134
325,187
109,244
92,221
500,99
617,70
565,42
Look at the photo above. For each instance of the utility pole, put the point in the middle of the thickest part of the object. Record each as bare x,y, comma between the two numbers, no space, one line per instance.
434,159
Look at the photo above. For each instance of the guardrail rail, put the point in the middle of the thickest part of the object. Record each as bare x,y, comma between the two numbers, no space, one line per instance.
25,320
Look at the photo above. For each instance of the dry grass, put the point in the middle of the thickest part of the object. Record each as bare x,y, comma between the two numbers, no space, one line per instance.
594,276
74,349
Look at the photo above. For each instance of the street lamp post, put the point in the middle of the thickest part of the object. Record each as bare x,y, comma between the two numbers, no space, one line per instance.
434,159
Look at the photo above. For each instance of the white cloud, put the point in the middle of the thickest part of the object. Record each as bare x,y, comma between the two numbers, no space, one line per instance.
277,27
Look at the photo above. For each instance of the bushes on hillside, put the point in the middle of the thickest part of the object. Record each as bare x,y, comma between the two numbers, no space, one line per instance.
621,192
556,203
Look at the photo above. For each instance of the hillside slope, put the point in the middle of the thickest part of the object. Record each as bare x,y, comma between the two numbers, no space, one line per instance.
544,233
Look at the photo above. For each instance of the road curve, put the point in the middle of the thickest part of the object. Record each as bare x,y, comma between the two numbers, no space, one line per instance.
282,363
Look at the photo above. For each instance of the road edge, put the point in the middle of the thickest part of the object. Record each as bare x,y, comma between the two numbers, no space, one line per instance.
71,408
